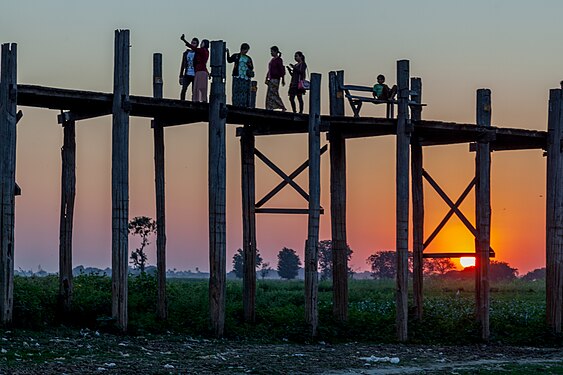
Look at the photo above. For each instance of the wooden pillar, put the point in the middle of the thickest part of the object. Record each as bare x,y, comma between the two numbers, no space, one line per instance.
402,204
338,202
483,214
253,92
217,188
120,178
8,120
248,182
159,167
312,243
68,193
554,214
417,202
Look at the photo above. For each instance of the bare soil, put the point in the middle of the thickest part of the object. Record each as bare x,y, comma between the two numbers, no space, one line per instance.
91,352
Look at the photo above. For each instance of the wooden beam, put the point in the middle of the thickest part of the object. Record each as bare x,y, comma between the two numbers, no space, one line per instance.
217,190
453,255
160,192
120,180
312,243
68,194
8,116
402,202
292,177
554,214
289,211
417,204
248,185
338,203
483,215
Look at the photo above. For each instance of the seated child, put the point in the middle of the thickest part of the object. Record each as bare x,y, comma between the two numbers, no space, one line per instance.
381,91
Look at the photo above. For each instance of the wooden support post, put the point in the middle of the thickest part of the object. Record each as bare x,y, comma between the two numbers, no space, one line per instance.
217,188
120,179
253,92
483,214
248,182
338,202
312,243
417,202
159,167
8,105
68,193
554,214
402,209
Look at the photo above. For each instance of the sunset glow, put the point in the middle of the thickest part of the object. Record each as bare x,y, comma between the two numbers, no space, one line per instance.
467,261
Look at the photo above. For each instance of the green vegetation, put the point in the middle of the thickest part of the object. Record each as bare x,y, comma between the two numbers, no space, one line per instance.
517,310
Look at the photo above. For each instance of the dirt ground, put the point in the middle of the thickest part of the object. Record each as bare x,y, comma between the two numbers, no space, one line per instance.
91,352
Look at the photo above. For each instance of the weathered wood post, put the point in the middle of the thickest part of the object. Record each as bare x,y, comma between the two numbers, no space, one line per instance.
338,201
402,209
159,167
554,214
248,182
8,120
417,201
120,178
483,213
312,243
217,187
68,193
248,188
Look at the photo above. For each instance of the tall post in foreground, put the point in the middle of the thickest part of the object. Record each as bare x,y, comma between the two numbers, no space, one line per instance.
217,186
120,178
417,202
8,120
338,202
248,182
312,243
402,209
159,166
554,214
68,193
483,214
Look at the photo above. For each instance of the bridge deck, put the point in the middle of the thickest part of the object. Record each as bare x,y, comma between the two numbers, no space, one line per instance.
87,104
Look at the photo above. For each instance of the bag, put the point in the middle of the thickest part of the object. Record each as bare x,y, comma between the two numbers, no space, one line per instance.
303,84
250,73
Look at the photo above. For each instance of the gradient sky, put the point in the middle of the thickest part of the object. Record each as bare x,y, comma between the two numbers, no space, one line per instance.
456,47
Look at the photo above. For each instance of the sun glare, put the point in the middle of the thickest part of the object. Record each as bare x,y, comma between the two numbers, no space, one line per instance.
467,261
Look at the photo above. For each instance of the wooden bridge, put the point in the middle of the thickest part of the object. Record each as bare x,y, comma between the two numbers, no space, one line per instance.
412,134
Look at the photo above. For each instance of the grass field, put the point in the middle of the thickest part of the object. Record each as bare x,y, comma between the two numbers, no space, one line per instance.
517,310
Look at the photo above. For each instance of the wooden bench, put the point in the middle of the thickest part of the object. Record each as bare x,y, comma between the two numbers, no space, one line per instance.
356,101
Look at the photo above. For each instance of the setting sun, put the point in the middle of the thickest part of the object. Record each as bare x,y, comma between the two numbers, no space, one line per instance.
467,261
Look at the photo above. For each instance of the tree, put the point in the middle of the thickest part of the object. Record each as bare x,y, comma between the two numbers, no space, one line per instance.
537,274
325,259
238,262
384,264
437,266
288,263
265,270
143,227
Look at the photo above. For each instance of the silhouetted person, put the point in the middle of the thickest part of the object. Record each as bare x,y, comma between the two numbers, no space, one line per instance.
298,73
243,71
199,91
187,68
381,91
276,72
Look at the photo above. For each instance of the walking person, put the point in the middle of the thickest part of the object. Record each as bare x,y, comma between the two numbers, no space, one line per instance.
276,72
201,76
187,70
243,72
298,73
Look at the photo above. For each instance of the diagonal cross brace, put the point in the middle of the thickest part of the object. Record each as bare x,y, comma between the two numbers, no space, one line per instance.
450,213
285,181
453,206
